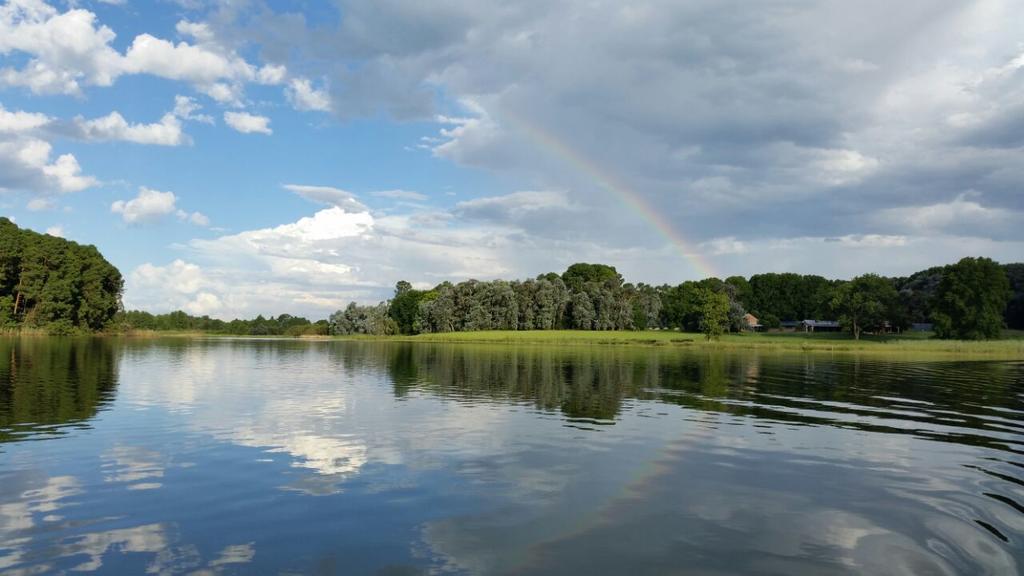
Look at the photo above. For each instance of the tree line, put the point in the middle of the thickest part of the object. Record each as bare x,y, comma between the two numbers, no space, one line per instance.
54,284
61,286
975,298
179,321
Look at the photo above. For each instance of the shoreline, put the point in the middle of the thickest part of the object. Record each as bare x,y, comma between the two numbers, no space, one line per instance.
916,345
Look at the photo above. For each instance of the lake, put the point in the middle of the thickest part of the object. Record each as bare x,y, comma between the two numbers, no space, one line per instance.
178,456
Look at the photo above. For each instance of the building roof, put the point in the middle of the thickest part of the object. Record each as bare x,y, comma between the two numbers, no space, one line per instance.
821,323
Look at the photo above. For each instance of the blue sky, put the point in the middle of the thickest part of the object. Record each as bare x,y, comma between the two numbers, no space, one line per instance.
250,157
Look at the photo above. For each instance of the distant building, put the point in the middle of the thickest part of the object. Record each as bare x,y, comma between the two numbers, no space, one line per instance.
752,322
922,327
820,326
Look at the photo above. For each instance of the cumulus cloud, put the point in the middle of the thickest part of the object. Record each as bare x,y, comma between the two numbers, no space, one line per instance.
199,219
248,123
152,205
19,122
187,108
25,158
272,74
166,132
112,127
148,205
27,164
303,96
179,285
65,51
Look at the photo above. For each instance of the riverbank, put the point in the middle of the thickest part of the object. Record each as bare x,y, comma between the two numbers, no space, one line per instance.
910,344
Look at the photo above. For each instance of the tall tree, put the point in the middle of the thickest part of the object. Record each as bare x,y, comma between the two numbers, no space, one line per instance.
714,313
865,303
405,307
971,300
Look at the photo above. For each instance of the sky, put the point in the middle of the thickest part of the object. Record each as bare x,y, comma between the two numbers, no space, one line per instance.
243,157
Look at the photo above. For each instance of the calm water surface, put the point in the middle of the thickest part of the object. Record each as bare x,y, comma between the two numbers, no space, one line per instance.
286,457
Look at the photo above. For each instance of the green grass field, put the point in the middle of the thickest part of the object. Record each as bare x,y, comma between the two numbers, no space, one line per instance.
909,344
912,345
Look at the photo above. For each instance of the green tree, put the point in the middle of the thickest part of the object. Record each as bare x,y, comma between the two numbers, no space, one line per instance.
53,283
405,307
580,274
714,313
865,303
971,300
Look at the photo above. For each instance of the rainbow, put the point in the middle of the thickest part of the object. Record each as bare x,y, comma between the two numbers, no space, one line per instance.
630,198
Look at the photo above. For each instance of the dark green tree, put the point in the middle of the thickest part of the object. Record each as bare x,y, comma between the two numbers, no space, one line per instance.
405,307
52,283
580,274
971,300
865,303
1015,308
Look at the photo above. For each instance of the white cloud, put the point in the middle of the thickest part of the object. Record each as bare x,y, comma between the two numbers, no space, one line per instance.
964,211
328,195
147,206
151,205
57,231
217,74
178,276
68,50
248,123
725,245
199,219
166,132
64,49
303,96
25,152
16,122
25,164
186,108
271,74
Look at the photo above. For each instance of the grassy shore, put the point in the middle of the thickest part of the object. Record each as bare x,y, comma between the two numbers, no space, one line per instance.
910,344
